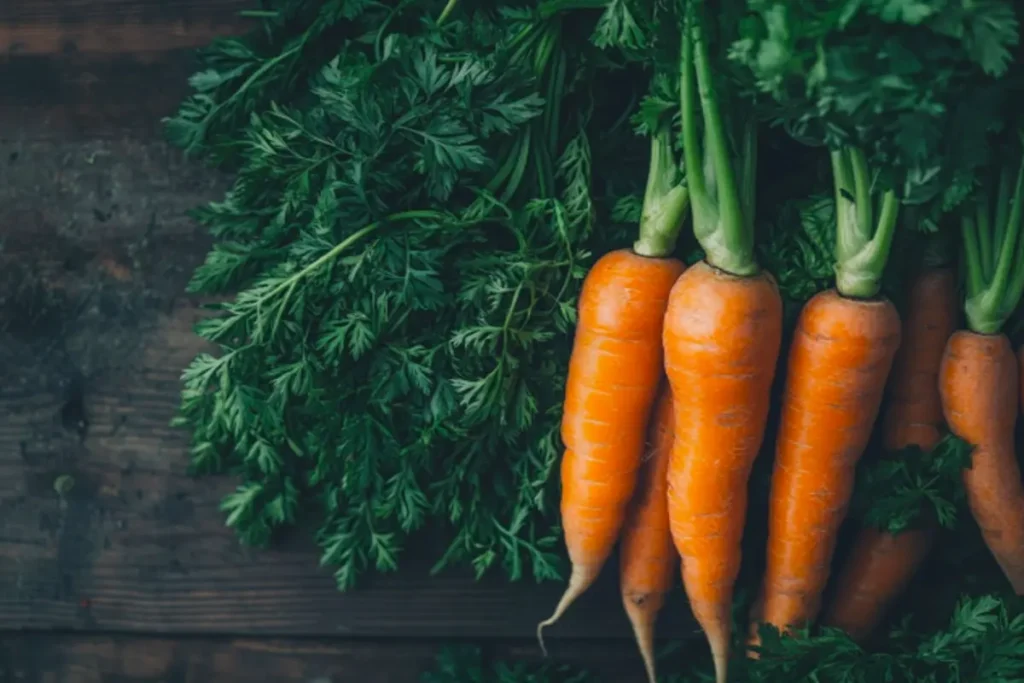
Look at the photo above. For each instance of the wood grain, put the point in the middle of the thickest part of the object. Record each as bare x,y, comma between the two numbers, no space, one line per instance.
50,27
103,530
103,659
91,97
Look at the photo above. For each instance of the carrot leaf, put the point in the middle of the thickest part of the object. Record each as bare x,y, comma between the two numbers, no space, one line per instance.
399,256
902,490
897,92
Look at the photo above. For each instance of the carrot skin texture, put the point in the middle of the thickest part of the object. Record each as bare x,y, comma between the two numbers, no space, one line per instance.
978,383
914,414
840,359
647,557
614,375
881,564
722,339
880,568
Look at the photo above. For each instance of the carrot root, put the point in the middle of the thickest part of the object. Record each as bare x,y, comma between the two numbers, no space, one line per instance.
722,338
840,359
614,374
978,383
881,565
642,610
648,560
581,578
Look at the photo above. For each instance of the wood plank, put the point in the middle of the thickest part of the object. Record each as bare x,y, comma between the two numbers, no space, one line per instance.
91,97
88,659
49,27
103,529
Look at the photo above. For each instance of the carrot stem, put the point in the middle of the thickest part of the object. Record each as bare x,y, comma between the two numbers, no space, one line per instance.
862,243
719,220
665,199
995,280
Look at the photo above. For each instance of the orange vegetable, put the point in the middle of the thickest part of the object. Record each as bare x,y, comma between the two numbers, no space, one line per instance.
648,560
842,352
881,563
722,339
978,383
613,380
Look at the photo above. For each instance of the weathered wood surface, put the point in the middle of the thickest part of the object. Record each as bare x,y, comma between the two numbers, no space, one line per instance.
103,659
48,27
102,68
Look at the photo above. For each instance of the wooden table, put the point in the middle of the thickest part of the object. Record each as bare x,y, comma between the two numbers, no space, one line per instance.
114,564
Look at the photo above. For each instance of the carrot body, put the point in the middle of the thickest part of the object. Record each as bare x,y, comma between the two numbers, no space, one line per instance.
914,414
880,567
978,383
881,564
841,355
722,338
648,560
613,379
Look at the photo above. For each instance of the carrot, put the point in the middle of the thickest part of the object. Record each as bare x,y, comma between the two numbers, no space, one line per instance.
723,331
614,374
979,377
843,349
979,389
647,557
914,414
881,563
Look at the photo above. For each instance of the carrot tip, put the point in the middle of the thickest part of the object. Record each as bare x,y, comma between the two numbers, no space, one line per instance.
579,581
643,631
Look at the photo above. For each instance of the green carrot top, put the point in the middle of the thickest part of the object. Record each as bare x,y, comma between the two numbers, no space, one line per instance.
993,247
720,175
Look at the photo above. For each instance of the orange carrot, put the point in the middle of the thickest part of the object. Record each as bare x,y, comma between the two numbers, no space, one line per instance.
978,384
842,352
914,415
882,563
722,338
723,330
647,558
613,379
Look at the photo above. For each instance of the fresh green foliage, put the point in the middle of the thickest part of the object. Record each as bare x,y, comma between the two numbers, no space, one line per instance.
982,642
800,248
401,252
467,665
901,490
907,82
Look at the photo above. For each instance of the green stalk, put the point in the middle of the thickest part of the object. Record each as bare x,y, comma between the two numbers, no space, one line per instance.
719,224
665,199
446,12
862,243
995,284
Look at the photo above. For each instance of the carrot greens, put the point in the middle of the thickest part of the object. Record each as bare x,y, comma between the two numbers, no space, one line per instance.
398,260
993,246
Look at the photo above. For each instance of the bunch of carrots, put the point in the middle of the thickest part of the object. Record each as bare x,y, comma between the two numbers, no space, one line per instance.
670,384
